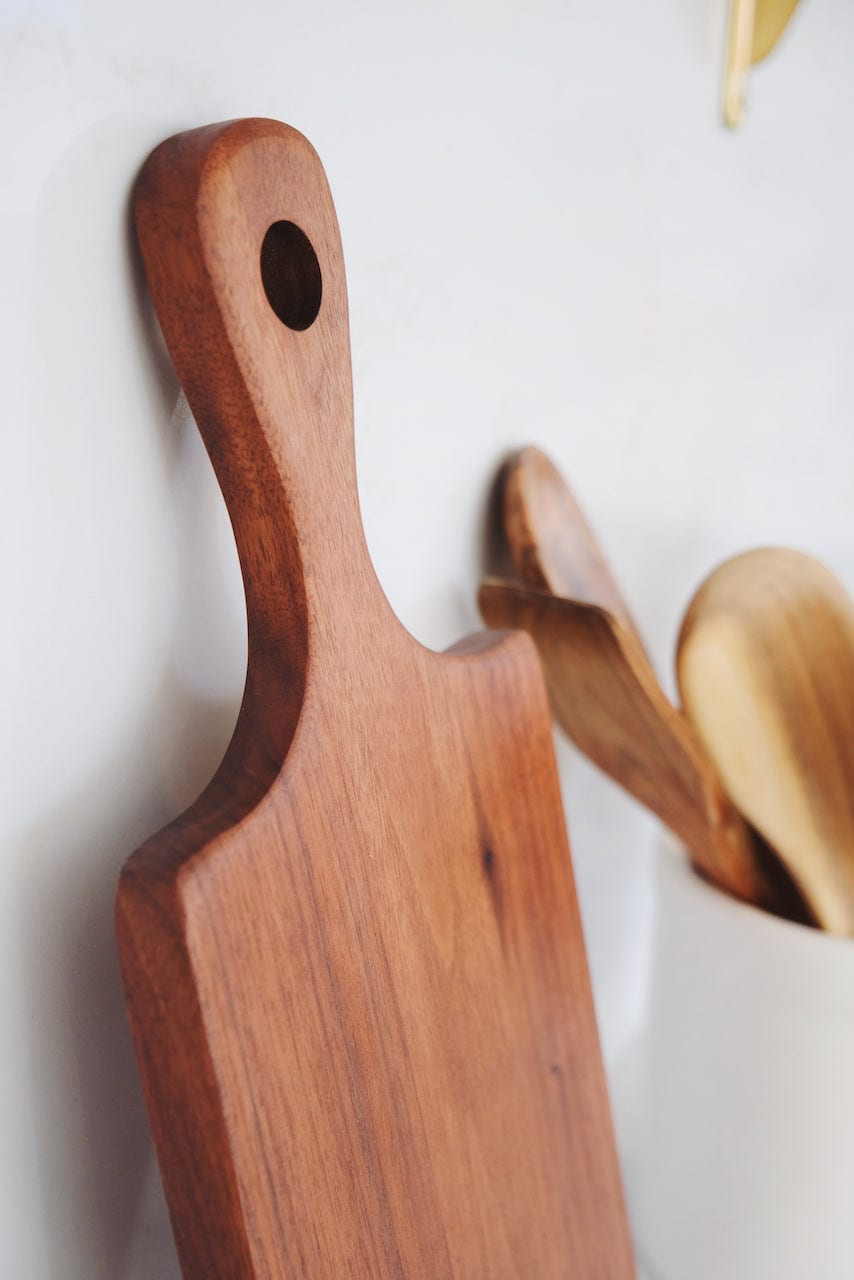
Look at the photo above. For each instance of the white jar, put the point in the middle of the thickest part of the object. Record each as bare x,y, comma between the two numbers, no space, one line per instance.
744,1163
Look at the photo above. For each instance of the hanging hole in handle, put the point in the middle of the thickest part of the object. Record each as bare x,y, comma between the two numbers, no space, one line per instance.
291,275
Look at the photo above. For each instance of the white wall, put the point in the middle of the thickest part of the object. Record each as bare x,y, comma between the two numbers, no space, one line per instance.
549,238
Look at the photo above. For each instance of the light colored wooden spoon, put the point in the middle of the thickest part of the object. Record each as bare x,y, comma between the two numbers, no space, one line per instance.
765,665
606,697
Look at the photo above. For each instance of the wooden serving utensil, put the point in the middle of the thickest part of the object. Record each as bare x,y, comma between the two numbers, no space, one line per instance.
550,541
354,968
765,664
608,700
603,689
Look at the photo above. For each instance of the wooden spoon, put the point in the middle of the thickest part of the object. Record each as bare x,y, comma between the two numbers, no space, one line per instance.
604,691
552,546
765,665
608,700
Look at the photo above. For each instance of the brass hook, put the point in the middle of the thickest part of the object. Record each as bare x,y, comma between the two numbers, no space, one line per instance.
755,26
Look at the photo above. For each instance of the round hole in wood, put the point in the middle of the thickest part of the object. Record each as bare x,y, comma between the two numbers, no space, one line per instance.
291,275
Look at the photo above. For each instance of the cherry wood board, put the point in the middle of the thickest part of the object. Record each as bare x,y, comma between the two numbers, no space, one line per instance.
354,968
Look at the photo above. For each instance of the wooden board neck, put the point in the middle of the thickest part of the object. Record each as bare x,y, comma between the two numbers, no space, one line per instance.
243,255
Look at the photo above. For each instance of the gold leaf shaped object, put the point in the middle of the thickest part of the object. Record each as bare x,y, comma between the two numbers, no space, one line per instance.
755,26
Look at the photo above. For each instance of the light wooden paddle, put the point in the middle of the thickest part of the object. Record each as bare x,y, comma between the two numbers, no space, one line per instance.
765,665
604,691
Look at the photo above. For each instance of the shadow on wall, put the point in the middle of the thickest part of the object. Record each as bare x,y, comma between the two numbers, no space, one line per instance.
95,1151
104,1217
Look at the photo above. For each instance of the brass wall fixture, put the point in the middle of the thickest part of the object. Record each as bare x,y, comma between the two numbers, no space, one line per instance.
755,26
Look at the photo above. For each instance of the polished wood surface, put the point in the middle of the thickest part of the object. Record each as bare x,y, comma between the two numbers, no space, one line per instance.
551,543
604,691
607,699
765,665
354,968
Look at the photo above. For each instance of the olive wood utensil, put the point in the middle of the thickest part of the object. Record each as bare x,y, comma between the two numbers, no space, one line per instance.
608,700
624,722
765,665
552,546
354,967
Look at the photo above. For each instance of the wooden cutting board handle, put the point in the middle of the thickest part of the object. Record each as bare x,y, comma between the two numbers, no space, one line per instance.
354,967
272,396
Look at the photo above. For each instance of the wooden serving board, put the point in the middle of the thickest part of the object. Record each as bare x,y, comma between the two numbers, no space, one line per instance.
354,967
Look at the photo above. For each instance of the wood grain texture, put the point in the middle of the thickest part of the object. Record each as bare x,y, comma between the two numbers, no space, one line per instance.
551,543
604,691
606,697
765,664
354,968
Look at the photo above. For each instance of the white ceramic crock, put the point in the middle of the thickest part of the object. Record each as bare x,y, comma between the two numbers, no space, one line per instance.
745,1155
